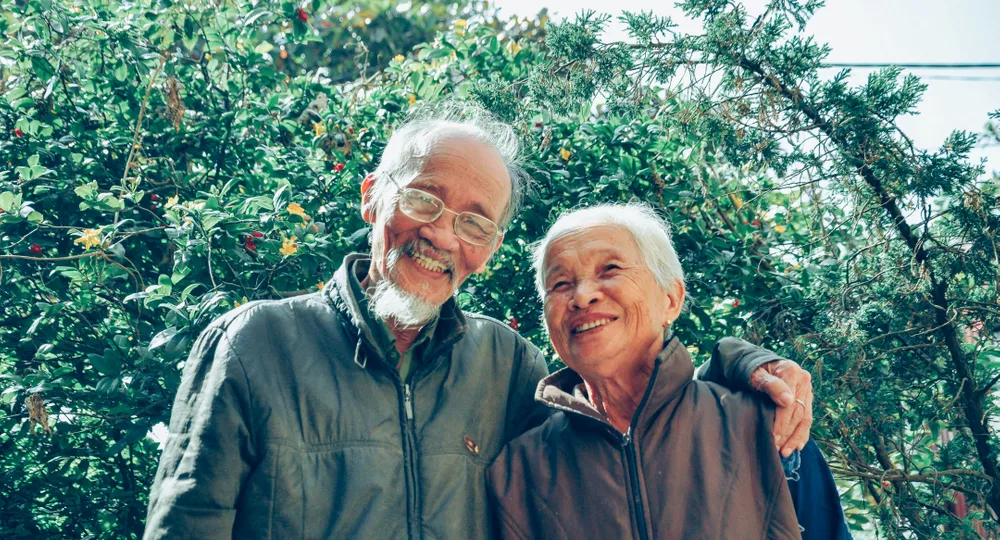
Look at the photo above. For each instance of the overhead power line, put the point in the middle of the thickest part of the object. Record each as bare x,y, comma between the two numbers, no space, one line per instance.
909,66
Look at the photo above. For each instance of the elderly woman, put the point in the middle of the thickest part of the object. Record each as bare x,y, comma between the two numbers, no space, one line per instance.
637,448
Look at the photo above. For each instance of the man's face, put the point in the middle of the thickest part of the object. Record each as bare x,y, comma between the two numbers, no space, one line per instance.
427,260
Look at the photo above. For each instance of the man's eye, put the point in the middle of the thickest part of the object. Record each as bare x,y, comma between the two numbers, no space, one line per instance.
559,285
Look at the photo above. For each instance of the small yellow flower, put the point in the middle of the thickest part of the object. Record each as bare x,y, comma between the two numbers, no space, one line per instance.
172,201
514,48
780,229
565,154
737,201
89,238
461,23
319,128
289,247
412,99
399,58
296,210
208,56
320,285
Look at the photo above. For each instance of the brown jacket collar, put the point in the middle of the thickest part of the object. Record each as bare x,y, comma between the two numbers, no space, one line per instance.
672,372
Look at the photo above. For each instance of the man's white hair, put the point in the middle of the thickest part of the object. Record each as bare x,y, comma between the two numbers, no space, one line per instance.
414,142
650,231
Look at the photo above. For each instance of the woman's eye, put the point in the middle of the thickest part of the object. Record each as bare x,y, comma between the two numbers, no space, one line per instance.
559,285
611,267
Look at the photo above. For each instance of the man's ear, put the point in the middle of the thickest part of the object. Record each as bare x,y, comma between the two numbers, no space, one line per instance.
482,268
367,202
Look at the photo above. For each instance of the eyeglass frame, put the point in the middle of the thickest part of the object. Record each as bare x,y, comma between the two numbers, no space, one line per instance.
444,208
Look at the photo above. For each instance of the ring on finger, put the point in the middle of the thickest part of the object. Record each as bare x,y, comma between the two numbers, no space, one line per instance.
800,402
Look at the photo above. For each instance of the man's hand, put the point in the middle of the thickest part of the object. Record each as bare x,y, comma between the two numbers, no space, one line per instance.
790,387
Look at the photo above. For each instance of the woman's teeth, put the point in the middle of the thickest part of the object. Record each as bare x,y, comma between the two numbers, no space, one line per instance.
588,326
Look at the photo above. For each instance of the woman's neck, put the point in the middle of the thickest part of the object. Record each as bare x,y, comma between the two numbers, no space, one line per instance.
618,398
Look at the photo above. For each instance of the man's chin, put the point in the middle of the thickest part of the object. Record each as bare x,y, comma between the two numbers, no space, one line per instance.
395,303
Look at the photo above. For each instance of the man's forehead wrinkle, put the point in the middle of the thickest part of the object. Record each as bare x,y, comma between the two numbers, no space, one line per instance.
425,181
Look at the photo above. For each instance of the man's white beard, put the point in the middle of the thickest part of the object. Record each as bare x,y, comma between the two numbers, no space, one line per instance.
389,302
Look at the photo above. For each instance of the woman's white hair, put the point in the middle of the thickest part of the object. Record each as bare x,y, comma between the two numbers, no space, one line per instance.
650,231
414,142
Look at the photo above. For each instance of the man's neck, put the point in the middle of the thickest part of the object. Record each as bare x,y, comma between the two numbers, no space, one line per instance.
405,335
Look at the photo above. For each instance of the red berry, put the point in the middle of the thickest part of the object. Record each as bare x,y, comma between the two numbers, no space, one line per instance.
885,483
338,167
350,131
301,14
18,133
35,249
736,303
538,124
154,197
250,245
513,323
755,223
257,234
152,207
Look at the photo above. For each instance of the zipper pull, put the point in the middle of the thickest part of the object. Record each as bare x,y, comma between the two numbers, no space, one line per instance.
408,402
627,438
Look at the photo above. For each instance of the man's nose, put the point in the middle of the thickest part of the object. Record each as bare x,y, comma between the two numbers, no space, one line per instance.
441,232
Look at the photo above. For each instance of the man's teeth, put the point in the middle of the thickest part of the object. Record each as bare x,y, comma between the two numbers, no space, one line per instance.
428,263
588,326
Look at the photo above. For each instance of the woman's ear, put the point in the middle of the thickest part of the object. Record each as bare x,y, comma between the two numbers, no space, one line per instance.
367,202
674,303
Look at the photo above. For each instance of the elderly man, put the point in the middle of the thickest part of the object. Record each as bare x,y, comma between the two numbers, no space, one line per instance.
371,409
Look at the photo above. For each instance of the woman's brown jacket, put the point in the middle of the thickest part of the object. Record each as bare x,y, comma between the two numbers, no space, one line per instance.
698,462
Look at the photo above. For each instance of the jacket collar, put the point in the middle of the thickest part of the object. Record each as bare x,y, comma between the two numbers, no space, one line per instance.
344,292
672,372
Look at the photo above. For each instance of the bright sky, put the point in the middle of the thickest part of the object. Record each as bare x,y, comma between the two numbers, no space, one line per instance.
884,31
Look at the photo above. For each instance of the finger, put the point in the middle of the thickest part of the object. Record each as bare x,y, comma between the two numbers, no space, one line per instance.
779,391
798,439
799,426
792,429
782,417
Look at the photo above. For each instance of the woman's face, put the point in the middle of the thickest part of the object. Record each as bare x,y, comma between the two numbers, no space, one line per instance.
604,310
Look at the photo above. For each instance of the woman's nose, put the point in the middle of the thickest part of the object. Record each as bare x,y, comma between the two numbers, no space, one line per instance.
586,293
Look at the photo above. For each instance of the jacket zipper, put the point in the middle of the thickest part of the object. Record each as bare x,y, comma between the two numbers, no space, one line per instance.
633,472
631,461
410,459
410,465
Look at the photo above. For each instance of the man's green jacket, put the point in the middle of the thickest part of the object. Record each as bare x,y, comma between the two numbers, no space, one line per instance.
291,421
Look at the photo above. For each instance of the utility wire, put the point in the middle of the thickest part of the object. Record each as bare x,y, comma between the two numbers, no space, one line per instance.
958,78
909,66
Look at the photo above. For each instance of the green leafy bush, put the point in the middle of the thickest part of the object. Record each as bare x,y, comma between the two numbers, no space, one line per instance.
165,162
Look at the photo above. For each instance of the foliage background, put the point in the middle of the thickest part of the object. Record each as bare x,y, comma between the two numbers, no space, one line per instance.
163,162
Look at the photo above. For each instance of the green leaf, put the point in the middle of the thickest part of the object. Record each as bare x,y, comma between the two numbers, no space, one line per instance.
6,201
109,364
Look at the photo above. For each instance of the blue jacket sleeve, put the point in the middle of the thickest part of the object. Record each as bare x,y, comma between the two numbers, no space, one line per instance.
815,495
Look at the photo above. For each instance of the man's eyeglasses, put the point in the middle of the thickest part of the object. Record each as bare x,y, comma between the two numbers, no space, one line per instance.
426,208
